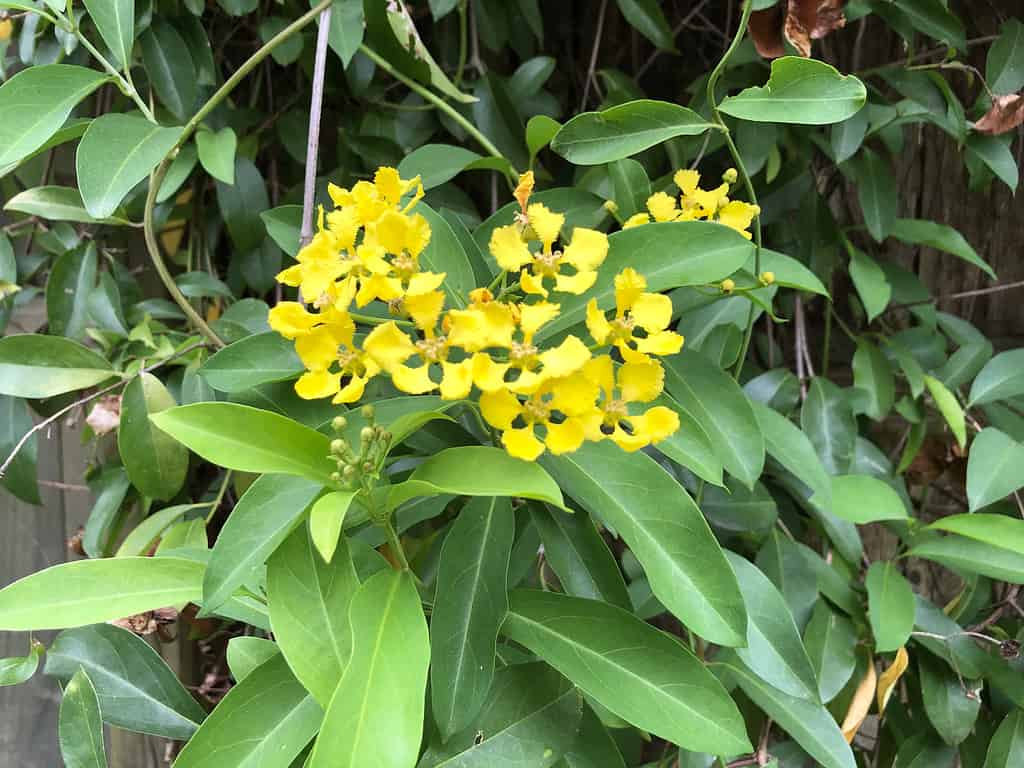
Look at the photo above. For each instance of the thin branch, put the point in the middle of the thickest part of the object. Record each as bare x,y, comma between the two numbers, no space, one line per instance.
313,137
958,295
675,32
593,54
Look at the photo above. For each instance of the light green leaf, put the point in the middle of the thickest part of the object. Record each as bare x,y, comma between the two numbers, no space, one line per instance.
949,407
264,516
309,604
156,463
830,639
136,689
17,670
249,439
249,362
1000,379
872,286
436,163
774,650
630,186
993,468
1008,741
115,21
36,102
326,519
593,138
636,671
89,591
109,487
495,473
245,654
791,448
79,727
470,604
540,130
828,422
384,685
799,91
67,291
181,166
267,719
217,153
141,538
890,606
998,531
56,204
664,529
864,499
973,556
789,273
940,237
719,405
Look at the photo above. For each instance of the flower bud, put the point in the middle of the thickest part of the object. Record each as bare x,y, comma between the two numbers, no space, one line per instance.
339,423
611,206
368,412
730,176
338,445
335,477
767,278
348,472
366,434
367,466
386,436
728,285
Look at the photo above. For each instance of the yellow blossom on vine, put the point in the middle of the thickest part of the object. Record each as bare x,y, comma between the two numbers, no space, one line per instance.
641,319
632,383
695,203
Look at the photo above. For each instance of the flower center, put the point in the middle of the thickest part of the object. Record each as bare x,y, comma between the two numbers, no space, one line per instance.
536,411
615,411
547,263
522,353
433,349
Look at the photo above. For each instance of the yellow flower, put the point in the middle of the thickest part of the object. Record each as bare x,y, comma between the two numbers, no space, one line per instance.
696,203
635,382
335,366
636,220
738,215
291,319
636,311
560,408
484,323
662,207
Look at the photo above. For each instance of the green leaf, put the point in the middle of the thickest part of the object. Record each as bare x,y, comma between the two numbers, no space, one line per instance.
830,639
540,130
384,685
1004,63
810,724
872,286
109,487
267,719
992,468
828,422
249,439
873,379
347,28
17,670
639,673
283,225
170,68
67,289
156,463
594,747
36,102
890,606
934,19
799,91
864,499
495,473
264,516
846,137
719,405
436,163
593,138
309,603
794,451
136,689
285,52
648,19
579,556
20,477
664,529
217,153
242,203
949,407
115,21
116,153
789,273
951,708
690,445
998,531
326,519
184,161
56,204
444,253
249,362
630,186
941,238
79,727
1008,741
877,192
1000,379
774,650
245,654
995,152
972,555
89,591
469,607
142,538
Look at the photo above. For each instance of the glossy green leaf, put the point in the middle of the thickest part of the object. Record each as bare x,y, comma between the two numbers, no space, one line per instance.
719,405
1004,64
241,205
1000,379
808,723
19,669
309,603
579,556
992,468
934,19
1008,742
890,606
774,650
115,21
949,407
283,224
828,422
170,68
245,654
264,516
495,473
444,253
249,362
347,28
872,286
56,204
920,751
793,450
940,237
690,445
846,137
789,273
136,689
799,91
877,192
36,102
116,153
972,555
873,381
949,643
540,130
79,727
629,667
67,291
864,499
595,747
436,163
249,439
995,153
141,538
663,527
830,639
383,688
20,477
267,719
951,708
999,531
109,487
156,463
217,153
469,607
326,519
648,19
88,591
630,186
593,138
178,171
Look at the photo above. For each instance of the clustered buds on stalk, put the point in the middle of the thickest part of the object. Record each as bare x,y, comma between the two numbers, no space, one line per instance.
359,469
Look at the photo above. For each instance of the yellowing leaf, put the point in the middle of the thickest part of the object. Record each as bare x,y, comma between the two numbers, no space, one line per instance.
888,679
860,704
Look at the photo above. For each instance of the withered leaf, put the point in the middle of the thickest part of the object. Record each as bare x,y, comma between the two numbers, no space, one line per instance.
808,20
1007,113
766,32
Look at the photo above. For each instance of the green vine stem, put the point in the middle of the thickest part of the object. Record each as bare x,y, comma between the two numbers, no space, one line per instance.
157,177
716,116
124,84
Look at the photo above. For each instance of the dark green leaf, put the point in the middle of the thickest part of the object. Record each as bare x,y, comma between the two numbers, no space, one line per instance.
1004,64
890,606
952,705
877,192
347,28
242,203
1008,743
436,163
869,280
873,381
170,68
648,19
20,476
217,152
793,450
249,362
283,224
934,19
940,237
830,640
1000,379
109,487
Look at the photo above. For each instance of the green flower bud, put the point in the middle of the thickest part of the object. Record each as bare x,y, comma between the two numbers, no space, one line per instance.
339,423
368,412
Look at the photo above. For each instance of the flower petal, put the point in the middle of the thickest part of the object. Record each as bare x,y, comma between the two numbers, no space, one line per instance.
545,223
415,381
652,311
456,379
508,249
388,346
641,382
500,408
576,284
565,437
522,443
568,357
588,249
316,384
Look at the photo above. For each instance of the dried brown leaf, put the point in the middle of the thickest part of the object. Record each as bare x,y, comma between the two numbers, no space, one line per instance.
808,20
860,703
766,32
888,679
1007,113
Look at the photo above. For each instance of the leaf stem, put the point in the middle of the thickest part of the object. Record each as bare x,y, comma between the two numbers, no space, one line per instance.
124,84
395,544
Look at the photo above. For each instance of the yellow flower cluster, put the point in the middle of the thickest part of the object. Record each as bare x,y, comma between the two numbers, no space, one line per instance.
555,397
695,203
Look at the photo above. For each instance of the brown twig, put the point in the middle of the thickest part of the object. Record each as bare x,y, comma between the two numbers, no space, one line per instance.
313,137
959,295
593,55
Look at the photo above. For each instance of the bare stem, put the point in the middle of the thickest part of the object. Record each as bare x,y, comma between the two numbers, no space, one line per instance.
313,138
